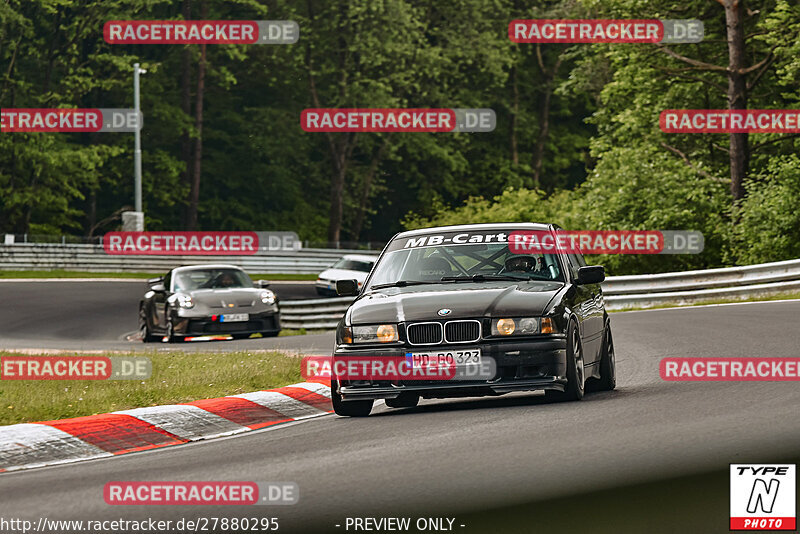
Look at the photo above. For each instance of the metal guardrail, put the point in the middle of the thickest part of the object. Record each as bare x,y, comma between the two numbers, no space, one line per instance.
620,292
313,314
92,258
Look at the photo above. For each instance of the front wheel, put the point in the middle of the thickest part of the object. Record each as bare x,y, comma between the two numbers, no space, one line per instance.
169,334
360,408
575,371
608,364
144,328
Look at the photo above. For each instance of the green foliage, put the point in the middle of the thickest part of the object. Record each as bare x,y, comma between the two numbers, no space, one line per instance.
606,164
768,221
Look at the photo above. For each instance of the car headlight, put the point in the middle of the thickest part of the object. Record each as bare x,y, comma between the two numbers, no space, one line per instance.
267,297
378,333
185,301
523,326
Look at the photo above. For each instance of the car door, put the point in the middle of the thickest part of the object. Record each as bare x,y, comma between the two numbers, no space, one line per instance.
593,324
589,309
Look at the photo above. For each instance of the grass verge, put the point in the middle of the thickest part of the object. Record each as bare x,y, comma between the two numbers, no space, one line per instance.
177,377
302,332
86,274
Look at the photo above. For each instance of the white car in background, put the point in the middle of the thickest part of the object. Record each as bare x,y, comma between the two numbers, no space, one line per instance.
349,267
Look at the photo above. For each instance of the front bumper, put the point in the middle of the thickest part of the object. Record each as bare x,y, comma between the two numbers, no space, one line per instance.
521,365
268,322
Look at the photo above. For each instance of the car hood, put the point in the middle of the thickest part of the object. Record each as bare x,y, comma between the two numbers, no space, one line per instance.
342,274
485,299
223,298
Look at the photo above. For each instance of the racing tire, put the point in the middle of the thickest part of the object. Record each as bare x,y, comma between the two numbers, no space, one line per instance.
608,364
144,328
169,333
576,373
404,400
360,408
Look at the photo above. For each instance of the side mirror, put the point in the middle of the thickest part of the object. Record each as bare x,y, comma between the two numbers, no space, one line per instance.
262,284
159,287
153,281
347,288
591,274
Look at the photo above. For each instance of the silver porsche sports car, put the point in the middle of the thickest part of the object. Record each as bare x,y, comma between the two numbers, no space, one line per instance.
202,301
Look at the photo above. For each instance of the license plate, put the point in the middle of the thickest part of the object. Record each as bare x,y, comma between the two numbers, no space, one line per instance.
234,317
445,358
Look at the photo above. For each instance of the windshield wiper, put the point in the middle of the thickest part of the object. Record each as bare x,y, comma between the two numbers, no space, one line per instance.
484,277
403,283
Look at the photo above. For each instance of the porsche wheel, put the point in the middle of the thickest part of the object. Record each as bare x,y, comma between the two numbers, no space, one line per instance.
169,333
144,328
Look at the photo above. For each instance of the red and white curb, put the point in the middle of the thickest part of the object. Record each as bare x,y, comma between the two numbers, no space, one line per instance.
28,445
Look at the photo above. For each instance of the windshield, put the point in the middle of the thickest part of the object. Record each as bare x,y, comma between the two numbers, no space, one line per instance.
353,265
210,279
414,260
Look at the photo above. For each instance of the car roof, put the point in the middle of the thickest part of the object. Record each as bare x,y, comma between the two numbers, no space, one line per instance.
474,227
360,257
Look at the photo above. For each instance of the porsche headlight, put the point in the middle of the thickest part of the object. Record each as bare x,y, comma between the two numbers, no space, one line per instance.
267,297
379,333
185,301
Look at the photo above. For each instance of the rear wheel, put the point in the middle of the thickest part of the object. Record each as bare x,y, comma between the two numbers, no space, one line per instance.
575,371
404,400
359,408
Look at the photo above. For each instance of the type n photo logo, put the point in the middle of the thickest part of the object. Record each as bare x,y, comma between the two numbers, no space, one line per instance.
763,497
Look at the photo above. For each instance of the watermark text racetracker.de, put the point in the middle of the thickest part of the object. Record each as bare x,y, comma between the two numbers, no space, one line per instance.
605,31
70,120
201,32
728,369
730,121
198,243
606,242
75,368
420,120
451,364
201,493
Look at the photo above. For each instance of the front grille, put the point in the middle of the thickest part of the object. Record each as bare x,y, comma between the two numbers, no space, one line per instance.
236,304
425,333
462,331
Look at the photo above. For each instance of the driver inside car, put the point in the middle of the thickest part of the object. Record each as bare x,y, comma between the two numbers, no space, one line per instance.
225,280
524,264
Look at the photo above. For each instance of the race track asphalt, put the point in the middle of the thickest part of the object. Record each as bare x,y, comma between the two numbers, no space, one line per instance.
461,457
71,315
